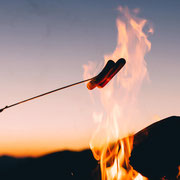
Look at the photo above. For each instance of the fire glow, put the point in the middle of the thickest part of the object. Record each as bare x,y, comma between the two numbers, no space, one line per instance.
119,99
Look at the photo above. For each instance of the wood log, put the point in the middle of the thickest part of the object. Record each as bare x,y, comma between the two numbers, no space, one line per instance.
156,149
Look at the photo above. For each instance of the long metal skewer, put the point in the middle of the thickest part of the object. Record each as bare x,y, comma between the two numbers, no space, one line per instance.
35,97
100,80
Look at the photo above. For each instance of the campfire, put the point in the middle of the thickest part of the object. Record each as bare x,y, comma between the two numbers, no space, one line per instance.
152,153
119,103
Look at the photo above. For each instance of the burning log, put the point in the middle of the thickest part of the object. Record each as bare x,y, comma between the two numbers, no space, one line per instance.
156,150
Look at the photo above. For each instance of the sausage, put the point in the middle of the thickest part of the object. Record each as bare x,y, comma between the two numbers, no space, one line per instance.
100,77
118,65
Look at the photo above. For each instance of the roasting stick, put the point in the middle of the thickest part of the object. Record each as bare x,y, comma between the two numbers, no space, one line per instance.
44,94
109,71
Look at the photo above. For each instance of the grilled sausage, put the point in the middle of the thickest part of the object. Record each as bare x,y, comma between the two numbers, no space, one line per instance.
118,65
100,77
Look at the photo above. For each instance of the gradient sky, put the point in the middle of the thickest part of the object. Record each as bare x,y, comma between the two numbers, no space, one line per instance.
43,46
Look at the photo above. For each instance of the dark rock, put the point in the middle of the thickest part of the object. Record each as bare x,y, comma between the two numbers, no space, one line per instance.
156,149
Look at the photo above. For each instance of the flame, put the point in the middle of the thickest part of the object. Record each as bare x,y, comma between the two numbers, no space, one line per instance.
178,176
119,99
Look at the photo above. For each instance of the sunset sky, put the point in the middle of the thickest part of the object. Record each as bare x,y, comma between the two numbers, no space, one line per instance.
44,45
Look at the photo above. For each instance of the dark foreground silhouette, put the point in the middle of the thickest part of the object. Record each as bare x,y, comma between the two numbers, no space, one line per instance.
156,150
65,165
155,154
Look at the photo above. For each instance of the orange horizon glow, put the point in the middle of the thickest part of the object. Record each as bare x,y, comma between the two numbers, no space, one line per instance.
35,149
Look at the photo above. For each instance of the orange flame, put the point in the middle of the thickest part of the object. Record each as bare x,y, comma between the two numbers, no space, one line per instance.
178,176
119,98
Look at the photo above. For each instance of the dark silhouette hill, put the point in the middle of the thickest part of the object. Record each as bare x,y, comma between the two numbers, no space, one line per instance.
155,154
65,165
